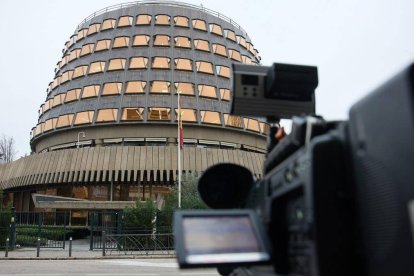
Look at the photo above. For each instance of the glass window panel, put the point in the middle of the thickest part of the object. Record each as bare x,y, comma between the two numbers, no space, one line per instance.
138,63
47,105
96,67
204,67
66,76
143,19
242,41
159,113
103,45
50,124
161,63
230,35
74,54
94,28
125,21
121,41
107,115
112,88
235,55
183,64
90,91
223,71
64,120
87,49
80,71
207,91
182,42
135,87
181,21
199,24
246,59
251,124
39,128
216,29
64,61
233,120
161,40
160,87
81,34
162,19
187,115
219,50
210,117
84,117
108,24
265,128
225,94
185,88
58,99
55,82
72,95
201,45
116,64
133,114
141,40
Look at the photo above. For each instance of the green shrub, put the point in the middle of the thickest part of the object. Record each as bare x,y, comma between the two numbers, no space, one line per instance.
24,240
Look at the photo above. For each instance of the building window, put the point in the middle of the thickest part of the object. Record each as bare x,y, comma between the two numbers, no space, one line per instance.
183,64
216,29
112,88
107,115
143,19
141,40
116,64
204,67
64,120
162,19
159,114
108,24
182,42
162,40
80,71
223,71
133,114
125,21
265,128
201,45
86,49
251,124
72,95
225,94
160,87
64,61
210,117
138,63
134,87
90,91
233,120
207,91
103,45
81,34
187,115
58,99
235,55
181,21
219,49
246,59
199,24
121,42
184,88
47,105
230,35
84,117
94,28
161,63
96,67
74,54
66,76
39,129
50,124
242,41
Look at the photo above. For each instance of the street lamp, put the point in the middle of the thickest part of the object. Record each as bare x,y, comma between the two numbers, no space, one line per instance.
83,136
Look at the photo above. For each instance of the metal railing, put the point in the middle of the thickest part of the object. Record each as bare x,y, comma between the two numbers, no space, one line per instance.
165,3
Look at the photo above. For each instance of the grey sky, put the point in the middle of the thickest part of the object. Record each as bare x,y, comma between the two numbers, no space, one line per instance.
355,44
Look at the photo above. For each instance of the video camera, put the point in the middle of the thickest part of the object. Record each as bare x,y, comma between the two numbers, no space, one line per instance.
337,198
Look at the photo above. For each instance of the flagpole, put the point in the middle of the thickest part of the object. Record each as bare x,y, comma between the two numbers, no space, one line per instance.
179,148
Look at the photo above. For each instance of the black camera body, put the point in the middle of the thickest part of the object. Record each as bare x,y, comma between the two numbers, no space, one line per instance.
337,198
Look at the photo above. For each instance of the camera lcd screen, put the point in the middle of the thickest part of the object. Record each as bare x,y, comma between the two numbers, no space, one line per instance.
218,239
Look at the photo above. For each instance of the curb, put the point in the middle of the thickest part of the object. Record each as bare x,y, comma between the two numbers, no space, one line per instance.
87,258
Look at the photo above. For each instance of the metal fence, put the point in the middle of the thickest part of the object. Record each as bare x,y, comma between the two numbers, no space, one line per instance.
5,225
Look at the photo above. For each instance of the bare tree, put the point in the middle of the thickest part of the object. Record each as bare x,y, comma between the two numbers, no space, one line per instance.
7,149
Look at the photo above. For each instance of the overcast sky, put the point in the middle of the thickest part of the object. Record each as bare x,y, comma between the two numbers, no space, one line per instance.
356,45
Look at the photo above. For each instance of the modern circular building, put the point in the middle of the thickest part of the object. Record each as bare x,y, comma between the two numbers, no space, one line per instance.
107,131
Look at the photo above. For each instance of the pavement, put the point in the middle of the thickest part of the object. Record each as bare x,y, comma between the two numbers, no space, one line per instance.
80,251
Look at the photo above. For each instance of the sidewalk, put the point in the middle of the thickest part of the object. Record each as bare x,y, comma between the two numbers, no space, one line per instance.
80,251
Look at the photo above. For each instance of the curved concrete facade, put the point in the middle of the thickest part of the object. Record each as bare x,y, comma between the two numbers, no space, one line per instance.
110,115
